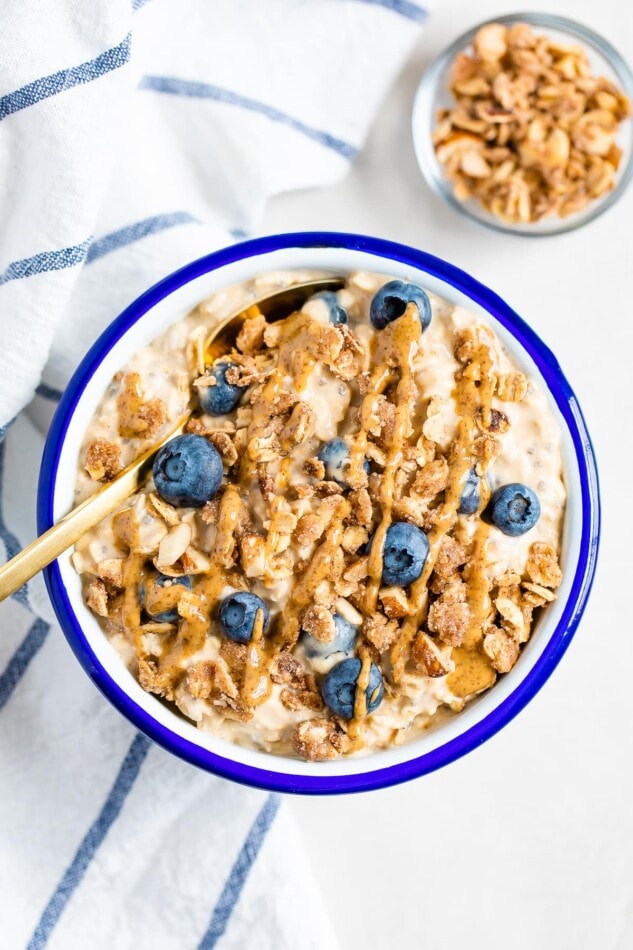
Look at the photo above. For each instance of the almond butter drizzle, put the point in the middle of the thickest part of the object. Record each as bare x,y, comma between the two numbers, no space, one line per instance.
257,685
354,728
405,340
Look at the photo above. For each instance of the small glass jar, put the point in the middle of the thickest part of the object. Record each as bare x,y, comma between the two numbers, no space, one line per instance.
434,94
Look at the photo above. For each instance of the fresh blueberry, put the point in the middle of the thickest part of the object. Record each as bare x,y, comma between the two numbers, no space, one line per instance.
335,457
471,495
187,471
223,397
514,509
339,688
404,554
166,616
391,302
237,615
336,312
343,641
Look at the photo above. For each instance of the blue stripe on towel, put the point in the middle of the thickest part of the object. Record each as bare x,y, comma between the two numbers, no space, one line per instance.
239,873
11,543
404,8
47,86
123,783
17,665
46,261
136,231
200,90
49,392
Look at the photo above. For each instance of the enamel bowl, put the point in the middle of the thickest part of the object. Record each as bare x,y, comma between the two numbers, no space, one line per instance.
169,301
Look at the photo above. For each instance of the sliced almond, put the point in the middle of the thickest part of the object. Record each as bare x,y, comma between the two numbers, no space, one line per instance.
174,544
543,592
166,512
510,612
475,165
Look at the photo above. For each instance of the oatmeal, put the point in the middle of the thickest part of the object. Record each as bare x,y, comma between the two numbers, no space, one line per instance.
532,132
354,534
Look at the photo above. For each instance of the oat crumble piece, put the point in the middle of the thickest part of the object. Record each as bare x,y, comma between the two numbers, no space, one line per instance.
103,460
154,682
319,622
251,336
138,418
362,509
354,537
451,556
379,631
314,467
208,678
300,427
542,565
97,597
502,650
233,654
432,478
318,740
287,670
449,620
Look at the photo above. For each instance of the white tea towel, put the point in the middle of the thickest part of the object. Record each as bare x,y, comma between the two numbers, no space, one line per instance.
136,136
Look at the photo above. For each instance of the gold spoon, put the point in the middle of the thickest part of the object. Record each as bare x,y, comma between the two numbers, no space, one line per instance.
72,526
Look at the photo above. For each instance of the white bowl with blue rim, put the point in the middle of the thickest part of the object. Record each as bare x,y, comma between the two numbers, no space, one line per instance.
169,301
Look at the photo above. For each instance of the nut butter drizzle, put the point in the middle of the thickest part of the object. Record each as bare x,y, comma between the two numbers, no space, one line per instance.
396,349
256,685
194,626
472,393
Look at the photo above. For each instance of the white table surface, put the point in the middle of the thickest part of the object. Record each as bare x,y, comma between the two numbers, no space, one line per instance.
528,841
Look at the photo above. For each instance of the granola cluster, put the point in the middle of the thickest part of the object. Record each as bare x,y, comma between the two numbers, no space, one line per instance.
282,526
533,132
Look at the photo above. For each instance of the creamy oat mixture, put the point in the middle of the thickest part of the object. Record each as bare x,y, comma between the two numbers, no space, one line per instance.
421,414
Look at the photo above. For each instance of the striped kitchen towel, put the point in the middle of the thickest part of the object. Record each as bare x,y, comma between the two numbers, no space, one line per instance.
135,136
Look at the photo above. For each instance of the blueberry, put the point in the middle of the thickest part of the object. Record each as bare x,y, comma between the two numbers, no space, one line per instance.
343,641
391,302
223,397
514,509
404,554
187,471
471,495
166,616
335,457
339,688
336,312
237,615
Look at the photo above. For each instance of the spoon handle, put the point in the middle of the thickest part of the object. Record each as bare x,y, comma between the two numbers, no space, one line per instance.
72,526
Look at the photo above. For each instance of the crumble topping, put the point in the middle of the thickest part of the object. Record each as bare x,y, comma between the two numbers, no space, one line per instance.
417,414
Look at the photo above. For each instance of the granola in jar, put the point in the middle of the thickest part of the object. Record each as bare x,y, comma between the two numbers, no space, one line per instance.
533,133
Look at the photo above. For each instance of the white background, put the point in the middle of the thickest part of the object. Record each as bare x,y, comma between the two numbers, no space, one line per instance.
528,841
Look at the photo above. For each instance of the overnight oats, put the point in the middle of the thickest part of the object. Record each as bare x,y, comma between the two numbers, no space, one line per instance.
354,534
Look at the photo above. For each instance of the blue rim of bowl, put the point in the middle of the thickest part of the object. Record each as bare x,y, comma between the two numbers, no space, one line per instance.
560,637
431,168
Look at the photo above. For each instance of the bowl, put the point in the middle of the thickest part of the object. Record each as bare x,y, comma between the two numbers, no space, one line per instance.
433,93
170,300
